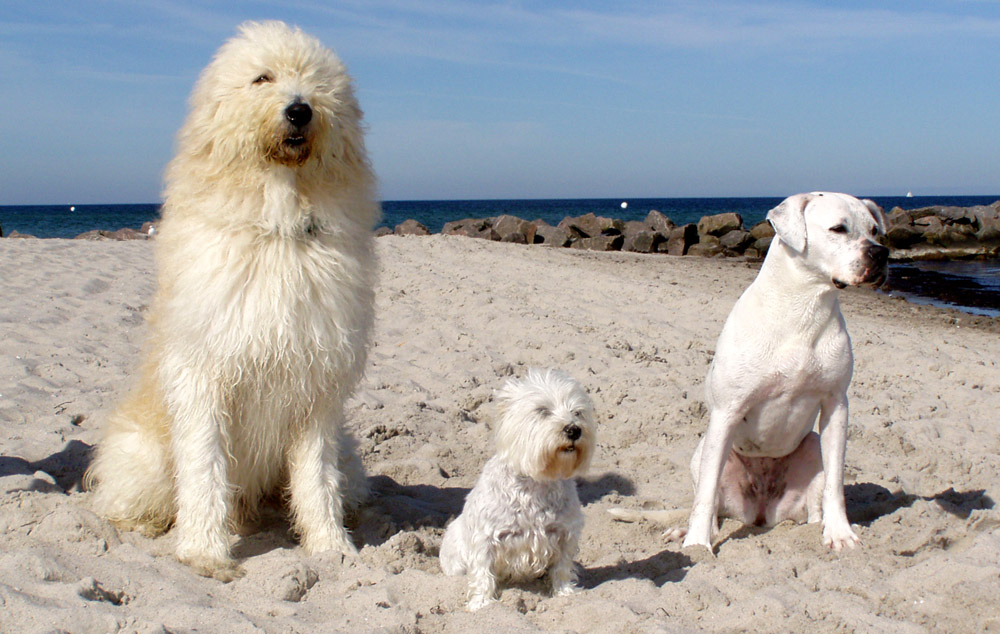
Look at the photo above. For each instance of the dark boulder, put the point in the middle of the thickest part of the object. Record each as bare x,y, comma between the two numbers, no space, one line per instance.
471,228
708,246
681,239
642,241
599,243
736,241
719,225
762,229
591,226
551,236
121,234
514,229
411,227
658,222
761,245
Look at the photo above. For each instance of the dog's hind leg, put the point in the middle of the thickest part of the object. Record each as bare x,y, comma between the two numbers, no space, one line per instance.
131,475
318,486
355,490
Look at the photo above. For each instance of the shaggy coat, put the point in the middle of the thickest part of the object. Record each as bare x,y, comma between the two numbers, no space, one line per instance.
523,519
259,327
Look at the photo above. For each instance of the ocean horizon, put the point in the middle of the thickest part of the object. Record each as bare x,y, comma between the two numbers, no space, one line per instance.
972,286
69,221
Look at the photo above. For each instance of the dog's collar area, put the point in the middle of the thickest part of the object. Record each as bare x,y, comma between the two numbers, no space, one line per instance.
311,228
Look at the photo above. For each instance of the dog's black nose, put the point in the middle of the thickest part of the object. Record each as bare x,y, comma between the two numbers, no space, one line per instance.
298,114
878,254
573,432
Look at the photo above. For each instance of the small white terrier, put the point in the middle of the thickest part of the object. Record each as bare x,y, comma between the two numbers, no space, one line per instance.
523,518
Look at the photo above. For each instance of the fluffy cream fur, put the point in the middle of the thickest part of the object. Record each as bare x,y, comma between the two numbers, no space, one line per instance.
258,331
523,518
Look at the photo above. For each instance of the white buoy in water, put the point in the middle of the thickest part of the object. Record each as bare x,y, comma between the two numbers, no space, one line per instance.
624,205
72,208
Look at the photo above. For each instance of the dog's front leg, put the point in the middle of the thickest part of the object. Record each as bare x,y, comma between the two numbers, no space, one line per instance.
712,453
837,531
482,580
562,575
317,486
203,494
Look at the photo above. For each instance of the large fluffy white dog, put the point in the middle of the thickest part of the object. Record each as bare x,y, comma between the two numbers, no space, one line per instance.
523,518
784,358
259,329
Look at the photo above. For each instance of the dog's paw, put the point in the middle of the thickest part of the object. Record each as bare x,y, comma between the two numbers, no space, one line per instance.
694,539
331,543
674,534
839,538
209,558
477,602
565,589
224,570
698,553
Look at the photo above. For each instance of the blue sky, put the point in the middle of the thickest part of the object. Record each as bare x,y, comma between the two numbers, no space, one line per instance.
535,99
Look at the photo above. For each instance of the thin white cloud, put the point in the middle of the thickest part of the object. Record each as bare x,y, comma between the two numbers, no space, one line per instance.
772,25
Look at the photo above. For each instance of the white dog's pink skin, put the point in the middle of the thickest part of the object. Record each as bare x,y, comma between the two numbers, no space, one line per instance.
259,329
783,358
523,519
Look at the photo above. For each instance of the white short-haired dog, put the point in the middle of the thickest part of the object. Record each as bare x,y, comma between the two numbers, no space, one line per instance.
782,366
523,518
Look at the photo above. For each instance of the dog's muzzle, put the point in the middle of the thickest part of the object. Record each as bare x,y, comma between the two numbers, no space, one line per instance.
298,115
292,145
876,259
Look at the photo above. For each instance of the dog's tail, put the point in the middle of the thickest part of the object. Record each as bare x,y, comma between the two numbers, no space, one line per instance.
672,516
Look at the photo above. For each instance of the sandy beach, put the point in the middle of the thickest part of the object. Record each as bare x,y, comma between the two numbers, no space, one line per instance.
455,317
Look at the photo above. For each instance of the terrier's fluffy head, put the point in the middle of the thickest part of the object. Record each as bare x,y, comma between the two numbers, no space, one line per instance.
547,428
274,95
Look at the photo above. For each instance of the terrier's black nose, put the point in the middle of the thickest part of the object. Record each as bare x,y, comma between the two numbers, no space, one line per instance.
573,432
298,114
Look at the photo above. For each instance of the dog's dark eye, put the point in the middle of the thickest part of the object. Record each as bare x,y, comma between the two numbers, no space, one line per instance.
263,78
839,229
543,411
874,231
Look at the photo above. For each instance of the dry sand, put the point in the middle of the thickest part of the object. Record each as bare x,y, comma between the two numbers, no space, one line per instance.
455,317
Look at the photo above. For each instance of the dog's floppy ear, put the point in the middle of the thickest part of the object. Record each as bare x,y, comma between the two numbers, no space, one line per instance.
789,222
877,214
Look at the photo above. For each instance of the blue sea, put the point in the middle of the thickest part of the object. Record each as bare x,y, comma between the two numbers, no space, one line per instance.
973,286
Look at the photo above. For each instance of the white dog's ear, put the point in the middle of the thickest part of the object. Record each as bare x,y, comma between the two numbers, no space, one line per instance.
877,214
789,221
